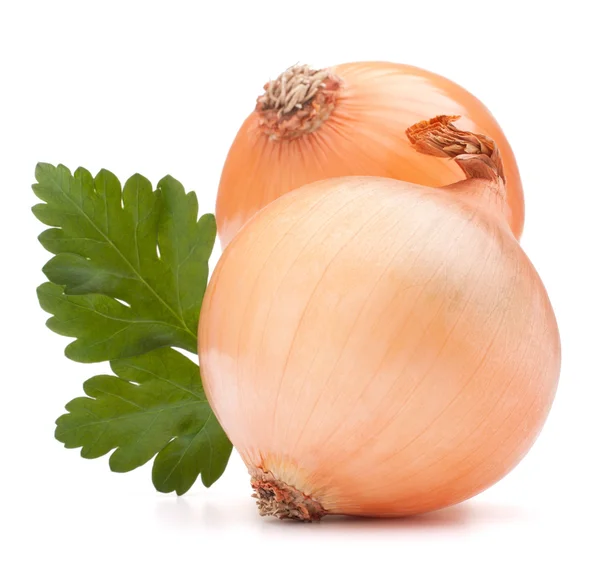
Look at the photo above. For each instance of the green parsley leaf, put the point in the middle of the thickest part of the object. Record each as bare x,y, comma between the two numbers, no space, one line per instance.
131,263
155,404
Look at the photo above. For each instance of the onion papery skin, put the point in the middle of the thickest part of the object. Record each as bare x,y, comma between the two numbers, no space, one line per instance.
384,348
363,136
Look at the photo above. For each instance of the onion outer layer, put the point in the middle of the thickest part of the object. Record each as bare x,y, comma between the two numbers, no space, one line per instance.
374,347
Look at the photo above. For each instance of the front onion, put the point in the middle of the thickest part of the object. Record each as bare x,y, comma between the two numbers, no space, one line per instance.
347,121
374,347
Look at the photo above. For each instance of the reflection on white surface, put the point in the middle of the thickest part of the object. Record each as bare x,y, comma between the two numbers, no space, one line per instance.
202,513
198,512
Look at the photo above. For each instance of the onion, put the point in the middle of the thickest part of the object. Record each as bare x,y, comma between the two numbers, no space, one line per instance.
374,347
347,121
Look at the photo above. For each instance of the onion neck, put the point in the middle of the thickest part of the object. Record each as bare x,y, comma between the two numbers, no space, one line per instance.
477,155
276,498
297,103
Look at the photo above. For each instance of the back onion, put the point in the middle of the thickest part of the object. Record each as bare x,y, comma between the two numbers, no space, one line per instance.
348,120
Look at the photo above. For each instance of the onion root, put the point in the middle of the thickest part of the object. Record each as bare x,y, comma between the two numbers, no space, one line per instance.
275,498
298,102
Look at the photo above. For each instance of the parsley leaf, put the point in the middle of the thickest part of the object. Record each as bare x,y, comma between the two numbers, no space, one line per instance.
154,404
131,263
127,282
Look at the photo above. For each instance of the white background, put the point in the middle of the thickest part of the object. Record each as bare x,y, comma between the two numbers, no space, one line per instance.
161,88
